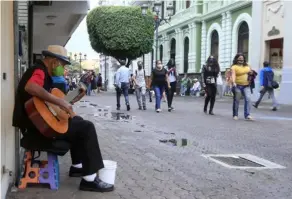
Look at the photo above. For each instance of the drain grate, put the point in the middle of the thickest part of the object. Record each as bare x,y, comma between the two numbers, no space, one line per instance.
242,161
238,161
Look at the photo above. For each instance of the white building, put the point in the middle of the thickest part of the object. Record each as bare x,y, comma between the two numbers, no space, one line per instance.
272,42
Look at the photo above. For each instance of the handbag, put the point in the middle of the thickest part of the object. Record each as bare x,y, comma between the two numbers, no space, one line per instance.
275,84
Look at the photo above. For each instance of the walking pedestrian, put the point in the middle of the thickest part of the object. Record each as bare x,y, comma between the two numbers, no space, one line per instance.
159,78
267,85
240,85
140,84
209,74
220,86
123,83
99,83
172,78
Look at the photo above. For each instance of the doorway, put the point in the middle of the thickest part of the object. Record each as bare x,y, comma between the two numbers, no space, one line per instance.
274,54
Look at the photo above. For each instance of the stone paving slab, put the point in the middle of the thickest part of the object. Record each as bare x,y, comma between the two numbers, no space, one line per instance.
150,169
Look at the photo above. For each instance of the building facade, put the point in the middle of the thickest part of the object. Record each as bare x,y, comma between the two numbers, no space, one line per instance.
199,29
271,42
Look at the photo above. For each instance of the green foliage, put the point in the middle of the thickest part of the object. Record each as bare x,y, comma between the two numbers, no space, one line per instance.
120,31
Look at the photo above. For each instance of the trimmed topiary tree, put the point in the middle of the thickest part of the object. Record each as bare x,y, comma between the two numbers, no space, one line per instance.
120,31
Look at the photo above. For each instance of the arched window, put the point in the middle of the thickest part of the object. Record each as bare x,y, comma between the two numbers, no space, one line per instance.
172,48
186,54
188,3
161,52
215,44
243,39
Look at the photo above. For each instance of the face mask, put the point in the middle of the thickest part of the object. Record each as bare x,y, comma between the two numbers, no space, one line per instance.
58,71
159,66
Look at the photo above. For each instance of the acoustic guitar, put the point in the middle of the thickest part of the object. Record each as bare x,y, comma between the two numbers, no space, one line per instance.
48,118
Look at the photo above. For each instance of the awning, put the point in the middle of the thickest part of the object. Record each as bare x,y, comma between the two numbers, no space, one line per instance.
55,21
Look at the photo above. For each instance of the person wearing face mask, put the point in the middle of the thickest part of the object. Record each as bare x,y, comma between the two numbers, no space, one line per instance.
140,84
81,135
209,74
59,80
159,77
172,76
241,85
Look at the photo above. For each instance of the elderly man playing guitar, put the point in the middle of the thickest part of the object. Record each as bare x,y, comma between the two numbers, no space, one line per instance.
36,83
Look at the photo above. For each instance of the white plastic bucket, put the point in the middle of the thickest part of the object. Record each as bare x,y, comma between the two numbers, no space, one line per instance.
108,173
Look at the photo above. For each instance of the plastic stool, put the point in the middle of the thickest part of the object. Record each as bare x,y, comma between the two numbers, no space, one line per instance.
46,172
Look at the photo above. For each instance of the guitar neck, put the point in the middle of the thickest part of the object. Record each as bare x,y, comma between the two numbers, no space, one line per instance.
75,93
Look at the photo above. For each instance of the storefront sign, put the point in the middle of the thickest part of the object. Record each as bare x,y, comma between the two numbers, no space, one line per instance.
273,32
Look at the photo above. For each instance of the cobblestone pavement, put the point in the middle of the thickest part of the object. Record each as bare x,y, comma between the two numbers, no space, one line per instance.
153,170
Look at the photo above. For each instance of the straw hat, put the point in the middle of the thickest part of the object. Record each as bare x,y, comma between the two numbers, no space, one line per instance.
195,79
58,52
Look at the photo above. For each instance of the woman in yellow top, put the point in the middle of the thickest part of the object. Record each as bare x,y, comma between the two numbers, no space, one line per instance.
240,71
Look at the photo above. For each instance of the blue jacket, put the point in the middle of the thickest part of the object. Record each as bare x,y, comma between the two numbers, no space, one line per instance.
263,75
61,83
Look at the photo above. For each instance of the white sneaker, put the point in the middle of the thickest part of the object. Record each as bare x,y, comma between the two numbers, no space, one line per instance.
235,118
158,110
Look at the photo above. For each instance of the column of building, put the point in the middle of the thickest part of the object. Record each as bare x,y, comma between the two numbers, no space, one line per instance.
147,64
165,56
228,39
286,83
223,41
192,48
255,59
203,43
179,50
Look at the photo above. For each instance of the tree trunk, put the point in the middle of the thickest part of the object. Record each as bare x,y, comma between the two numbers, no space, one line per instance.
129,62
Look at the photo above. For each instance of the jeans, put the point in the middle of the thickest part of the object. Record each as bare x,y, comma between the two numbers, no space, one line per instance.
170,93
125,90
88,89
158,95
183,89
239,91
272,95
141,92
220,89
211,91
194,92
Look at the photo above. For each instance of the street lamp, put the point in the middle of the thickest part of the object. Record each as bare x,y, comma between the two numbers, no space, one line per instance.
80,59
158,19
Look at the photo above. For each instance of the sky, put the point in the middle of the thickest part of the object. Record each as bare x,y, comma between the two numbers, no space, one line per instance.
79,41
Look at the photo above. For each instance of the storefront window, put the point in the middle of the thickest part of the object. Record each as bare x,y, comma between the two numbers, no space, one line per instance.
243,39
214,44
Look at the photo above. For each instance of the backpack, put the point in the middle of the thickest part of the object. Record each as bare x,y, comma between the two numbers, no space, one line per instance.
271,84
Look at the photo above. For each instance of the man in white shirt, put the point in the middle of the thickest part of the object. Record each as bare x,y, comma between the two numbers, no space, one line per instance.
220,85
122,82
